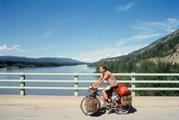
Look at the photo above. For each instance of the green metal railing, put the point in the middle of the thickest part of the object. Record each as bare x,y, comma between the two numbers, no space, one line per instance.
133,81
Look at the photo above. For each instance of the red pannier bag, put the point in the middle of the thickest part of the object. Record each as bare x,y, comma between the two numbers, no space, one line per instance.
122,90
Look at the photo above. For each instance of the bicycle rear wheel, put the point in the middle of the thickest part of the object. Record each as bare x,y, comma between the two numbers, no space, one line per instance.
123,109
125,106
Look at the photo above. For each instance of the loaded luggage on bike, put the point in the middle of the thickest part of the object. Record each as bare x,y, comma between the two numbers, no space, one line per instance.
121,102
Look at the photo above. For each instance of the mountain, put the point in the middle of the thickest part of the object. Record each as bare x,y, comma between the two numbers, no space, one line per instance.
15,61
163,51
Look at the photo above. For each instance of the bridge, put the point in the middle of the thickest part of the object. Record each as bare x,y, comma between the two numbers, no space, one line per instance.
48,107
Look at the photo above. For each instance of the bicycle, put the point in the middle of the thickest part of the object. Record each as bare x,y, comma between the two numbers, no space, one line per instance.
119,104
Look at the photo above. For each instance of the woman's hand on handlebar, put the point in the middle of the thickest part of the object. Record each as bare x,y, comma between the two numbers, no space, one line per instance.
93,87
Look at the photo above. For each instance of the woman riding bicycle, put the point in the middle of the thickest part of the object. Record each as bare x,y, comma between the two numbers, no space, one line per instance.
111,80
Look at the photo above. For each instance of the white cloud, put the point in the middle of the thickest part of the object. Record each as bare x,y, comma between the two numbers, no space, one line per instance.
144,31
50,31
144,36
5,48
112,51
121,47
166,26
60,56
126,7
56,26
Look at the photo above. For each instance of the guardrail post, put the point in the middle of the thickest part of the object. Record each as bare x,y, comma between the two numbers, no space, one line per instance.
22,84
133,84
76,93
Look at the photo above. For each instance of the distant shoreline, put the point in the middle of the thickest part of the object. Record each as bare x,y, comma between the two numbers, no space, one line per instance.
33,66
22,62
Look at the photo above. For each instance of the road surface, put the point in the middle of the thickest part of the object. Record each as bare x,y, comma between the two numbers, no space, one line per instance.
14,107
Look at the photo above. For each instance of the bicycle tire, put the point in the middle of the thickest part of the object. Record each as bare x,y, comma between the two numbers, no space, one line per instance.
83,107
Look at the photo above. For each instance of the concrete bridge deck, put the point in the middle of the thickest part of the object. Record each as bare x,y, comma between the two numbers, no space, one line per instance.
14,107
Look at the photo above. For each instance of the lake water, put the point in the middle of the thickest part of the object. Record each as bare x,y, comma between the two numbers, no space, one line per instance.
63,69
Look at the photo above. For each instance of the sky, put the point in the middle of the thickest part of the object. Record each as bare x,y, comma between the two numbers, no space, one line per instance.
86,30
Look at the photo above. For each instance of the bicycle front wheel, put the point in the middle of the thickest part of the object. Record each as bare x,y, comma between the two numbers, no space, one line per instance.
83,106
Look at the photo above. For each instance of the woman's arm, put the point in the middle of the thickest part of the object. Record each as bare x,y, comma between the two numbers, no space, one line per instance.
100,81
94,85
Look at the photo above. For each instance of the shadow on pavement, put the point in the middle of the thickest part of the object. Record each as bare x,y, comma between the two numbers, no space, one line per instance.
132,110
103,111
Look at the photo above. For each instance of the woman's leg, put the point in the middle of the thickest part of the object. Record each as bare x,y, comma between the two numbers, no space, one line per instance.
105,95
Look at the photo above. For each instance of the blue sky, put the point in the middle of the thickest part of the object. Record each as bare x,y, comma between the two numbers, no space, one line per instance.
86,30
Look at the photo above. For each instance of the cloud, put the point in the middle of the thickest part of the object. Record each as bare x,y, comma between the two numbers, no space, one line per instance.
61,56
6,48
165,26
144,31
112,51
58,25
121,47
126,7
149,29
50,32
143,36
